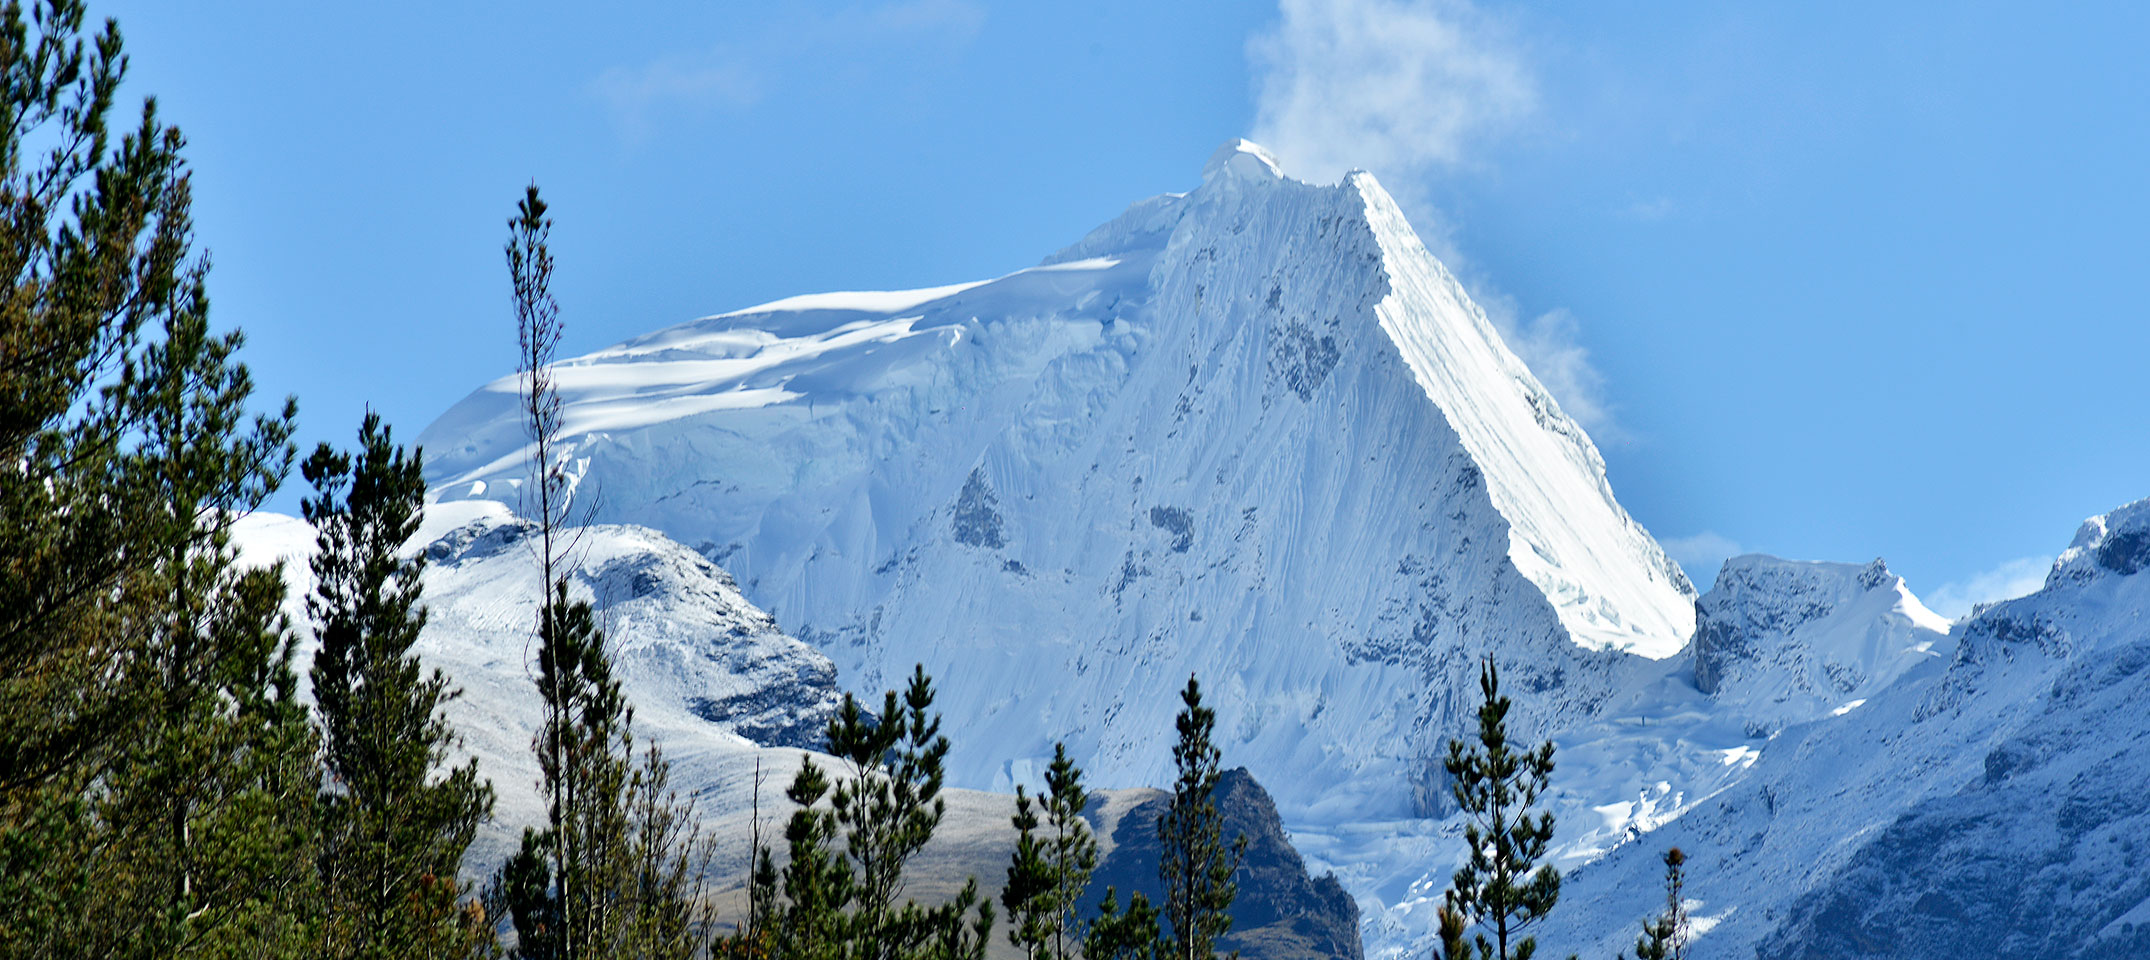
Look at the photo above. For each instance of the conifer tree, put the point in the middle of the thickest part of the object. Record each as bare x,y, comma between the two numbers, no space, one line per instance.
618,868
85,272
1664,937
154,762
849,902
1050,871
1198,864
207,814
888,810
393,833
1123,934
1029,891
1501,889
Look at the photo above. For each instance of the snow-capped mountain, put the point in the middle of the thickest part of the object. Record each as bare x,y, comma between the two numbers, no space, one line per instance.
1254,432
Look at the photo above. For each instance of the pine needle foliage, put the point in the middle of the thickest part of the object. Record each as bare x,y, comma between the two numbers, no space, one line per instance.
1198,864
1129,933
155,764
1501,889
850,902
1051,867
1664,937
393,833
618,869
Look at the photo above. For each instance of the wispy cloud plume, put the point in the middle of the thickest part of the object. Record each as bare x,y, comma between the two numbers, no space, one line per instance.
1551,345
1702,555
1393,86
2015,578
1406,89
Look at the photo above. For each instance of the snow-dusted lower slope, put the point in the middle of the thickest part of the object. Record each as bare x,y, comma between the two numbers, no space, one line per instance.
709,675
1988,804
1253,432
700,666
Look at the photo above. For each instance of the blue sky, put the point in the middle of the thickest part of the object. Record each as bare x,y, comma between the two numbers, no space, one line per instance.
1826,280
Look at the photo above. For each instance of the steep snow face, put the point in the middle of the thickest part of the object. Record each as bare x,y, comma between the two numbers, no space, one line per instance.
1253,432
1781,641
1988,804
709,675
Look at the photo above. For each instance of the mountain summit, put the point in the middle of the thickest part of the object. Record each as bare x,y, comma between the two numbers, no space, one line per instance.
1254,432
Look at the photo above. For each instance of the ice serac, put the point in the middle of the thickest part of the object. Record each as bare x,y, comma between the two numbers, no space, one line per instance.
1253,432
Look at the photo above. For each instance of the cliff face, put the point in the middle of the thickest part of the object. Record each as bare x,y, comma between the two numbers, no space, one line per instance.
1281,913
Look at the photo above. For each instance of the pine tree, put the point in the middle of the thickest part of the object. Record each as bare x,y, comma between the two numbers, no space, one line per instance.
1028,895
1197,865
1664,937
618,868
817,879
207,815
1501,888
849,902
1049,872
393,835
888,810
155,764
1123,934
94,245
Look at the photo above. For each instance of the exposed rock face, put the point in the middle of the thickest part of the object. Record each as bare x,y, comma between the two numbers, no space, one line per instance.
1281,912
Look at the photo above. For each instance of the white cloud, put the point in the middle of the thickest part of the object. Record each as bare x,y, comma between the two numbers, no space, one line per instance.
1397,87
2015,578
1702,555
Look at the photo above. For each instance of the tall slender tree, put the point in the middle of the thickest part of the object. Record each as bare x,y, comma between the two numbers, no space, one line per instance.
393,833
1664,937
1502,889
618,868
1198,864
1050,869
1029,891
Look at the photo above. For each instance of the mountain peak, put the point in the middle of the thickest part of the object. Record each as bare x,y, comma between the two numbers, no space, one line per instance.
1242,160
1793,639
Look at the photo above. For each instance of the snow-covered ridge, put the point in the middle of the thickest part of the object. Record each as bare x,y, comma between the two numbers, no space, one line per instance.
709,675
1985,803
1786,641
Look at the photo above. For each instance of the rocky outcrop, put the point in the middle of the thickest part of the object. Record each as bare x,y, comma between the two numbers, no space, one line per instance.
1281,913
